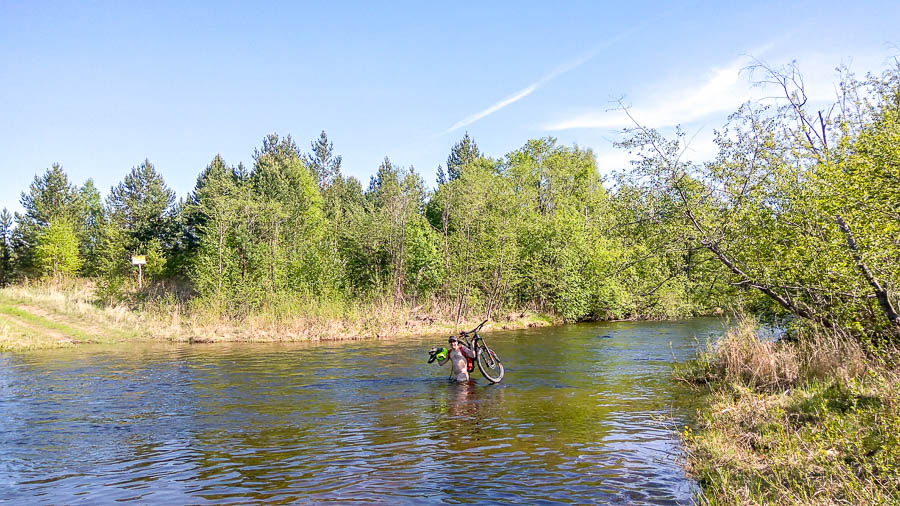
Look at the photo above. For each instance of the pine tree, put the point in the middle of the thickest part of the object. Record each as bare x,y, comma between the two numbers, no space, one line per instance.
51,196
464,152
140,205
216,180
324,164
90,227
6,264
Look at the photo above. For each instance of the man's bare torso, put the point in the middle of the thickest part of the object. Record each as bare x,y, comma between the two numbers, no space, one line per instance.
459,364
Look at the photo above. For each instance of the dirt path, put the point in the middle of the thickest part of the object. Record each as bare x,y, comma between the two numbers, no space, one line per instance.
79,325
40,331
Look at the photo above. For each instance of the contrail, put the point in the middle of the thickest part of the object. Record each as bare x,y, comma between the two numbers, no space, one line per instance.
524,92
494,108
558,71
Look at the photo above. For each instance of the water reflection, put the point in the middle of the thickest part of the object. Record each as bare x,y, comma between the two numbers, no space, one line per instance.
572,421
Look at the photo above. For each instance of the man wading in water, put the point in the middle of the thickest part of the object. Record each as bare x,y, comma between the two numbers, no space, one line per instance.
459,353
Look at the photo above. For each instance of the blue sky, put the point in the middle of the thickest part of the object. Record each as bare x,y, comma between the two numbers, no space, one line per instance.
99,86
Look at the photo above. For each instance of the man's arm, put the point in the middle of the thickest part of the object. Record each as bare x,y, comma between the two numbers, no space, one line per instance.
468,351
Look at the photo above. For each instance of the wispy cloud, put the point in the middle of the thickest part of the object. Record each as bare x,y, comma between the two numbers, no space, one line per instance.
524,92
722,91
707,101
558,71
515,97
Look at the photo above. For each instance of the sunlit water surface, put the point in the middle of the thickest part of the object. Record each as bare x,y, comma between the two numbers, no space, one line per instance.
579,417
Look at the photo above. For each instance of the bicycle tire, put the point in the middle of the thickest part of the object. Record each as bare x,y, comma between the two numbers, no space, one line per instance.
489,364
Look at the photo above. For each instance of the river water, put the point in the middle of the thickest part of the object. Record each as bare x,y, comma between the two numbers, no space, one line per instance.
577,418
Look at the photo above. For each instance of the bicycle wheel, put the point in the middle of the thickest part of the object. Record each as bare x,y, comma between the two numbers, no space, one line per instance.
489,364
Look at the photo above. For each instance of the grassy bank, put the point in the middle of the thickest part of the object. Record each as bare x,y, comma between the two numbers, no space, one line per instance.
812,422
38,316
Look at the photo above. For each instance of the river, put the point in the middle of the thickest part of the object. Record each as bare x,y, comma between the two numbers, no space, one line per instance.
579,417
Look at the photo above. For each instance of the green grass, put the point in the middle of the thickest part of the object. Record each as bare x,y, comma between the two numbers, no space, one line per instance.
42,322
38,332
14,337
805,423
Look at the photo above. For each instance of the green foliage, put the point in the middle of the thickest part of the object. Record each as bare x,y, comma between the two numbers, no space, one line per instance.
6,251
92,217
294,220
799,207
138,221
115,271
156,260
139,205
322,162
463,153
50,197
535,230
255,238
56,251
215,182
424,268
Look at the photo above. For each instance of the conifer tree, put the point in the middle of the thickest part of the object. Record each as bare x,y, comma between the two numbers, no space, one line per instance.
324,164
465,151
90,226
140,206
6,264
216,180
50,196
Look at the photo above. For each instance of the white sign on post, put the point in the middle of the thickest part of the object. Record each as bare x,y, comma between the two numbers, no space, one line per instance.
139,260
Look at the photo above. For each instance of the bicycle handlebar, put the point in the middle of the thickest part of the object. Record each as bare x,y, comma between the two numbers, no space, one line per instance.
476,329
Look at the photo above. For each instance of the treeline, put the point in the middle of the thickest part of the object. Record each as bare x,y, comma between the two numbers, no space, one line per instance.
535,229
796,218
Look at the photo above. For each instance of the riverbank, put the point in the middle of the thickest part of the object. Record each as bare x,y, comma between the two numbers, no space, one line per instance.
814,422
41,316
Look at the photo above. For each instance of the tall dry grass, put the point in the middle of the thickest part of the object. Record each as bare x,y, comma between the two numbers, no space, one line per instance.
815,421
301,319
742,356
164,316
74,298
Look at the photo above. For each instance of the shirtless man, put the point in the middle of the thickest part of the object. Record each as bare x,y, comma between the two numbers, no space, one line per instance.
457,358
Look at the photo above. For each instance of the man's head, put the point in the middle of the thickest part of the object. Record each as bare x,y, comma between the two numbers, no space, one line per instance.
454,342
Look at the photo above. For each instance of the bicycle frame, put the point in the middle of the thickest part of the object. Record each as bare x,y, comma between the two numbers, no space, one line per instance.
475,337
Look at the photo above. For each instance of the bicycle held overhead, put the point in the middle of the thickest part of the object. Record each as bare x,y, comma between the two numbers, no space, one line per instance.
464,353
